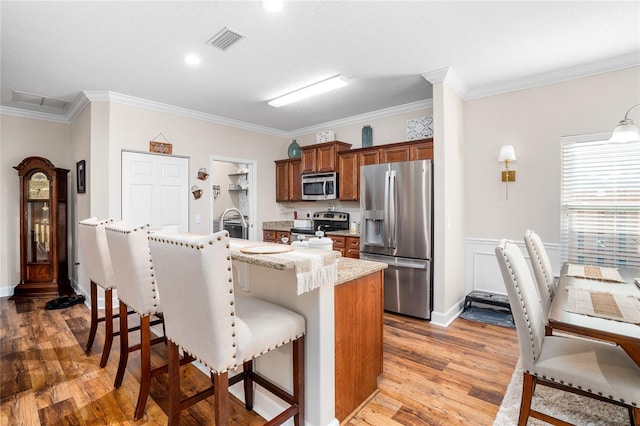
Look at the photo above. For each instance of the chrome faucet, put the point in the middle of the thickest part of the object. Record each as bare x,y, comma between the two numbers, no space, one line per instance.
244,222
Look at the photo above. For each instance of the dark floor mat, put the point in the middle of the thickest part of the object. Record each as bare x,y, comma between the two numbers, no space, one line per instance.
490,316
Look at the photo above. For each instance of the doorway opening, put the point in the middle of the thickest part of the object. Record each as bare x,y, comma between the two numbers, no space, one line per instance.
234,186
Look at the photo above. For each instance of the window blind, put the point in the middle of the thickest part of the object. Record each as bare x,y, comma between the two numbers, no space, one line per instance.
600,199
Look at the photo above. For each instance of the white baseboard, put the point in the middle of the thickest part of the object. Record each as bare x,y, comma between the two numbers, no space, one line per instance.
446,318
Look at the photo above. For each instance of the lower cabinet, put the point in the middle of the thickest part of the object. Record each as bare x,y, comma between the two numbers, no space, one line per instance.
347,246
270,236
358,341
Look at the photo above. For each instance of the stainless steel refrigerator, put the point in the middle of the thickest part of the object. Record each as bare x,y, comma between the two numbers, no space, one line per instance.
396,207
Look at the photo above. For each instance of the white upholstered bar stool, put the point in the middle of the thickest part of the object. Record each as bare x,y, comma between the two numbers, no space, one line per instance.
585,367
204,318
134,274
95,253
542,271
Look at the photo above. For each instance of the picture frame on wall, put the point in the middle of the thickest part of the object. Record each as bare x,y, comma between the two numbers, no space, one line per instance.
81,180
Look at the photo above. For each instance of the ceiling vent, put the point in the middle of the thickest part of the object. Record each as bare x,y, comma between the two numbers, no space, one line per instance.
37,100
224,38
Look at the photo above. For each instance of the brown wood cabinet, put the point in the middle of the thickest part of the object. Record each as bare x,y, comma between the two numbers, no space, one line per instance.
43,230
352,247
271,236
358,319
338,243
349,162
288,180
323,157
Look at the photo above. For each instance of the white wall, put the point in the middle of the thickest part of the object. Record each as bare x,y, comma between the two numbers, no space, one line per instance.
21,138
532,120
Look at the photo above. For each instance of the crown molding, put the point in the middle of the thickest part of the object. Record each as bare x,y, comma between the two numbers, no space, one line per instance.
36,115
382,113
571,73
179,111
449,76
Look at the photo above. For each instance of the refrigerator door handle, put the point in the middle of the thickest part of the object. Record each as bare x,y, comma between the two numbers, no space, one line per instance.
393,212
386,219
394,261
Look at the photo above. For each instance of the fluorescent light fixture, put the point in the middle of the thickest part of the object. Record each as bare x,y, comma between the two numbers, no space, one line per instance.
191,60
306,92
272,5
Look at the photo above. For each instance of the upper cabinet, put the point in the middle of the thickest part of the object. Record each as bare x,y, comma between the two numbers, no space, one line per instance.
349,162
288,180
323,157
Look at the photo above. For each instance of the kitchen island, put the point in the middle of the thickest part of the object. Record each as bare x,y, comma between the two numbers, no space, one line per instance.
343,348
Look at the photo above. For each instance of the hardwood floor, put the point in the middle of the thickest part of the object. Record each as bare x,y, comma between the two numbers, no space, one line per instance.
432,375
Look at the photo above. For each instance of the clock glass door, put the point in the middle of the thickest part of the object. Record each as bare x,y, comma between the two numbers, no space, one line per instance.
38,227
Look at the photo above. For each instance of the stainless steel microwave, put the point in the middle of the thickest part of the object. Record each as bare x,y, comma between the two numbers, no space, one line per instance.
320,186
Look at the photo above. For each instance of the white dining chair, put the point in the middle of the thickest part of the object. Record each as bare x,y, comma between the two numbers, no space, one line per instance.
542,271
585,367
207,320
134,275
95,253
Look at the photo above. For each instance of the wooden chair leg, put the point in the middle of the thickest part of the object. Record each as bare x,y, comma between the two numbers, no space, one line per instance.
174,384
124,347
528,385
298,380
94,316
247,369
145,364
221,398
108,321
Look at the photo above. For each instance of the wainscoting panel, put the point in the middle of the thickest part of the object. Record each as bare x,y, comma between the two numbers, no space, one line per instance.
482,271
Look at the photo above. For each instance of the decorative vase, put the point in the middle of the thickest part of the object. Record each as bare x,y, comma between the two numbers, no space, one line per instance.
367,136
294,150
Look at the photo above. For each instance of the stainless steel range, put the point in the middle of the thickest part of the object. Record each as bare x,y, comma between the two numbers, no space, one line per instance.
322,221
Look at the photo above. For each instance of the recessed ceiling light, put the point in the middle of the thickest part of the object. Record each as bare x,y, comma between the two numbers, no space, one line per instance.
315,89
272,5
191,60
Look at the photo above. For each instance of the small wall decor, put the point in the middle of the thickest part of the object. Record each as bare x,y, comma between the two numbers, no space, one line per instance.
81,177
202,173
216,191
326,136
196,191
160,147
420,128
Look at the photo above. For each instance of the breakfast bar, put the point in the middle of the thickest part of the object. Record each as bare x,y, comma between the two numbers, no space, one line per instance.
342,303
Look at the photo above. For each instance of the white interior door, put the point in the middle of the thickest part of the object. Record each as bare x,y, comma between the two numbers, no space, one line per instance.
155,190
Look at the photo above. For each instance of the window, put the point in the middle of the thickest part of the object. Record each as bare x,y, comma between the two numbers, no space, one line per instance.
600,199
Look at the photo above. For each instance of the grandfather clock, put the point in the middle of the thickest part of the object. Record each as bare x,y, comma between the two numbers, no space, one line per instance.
43,230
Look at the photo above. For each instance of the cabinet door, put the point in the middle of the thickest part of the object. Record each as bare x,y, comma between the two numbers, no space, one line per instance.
423,151
283,234
338,244
326,158
394,154
282,181
269,236
349,175
308,158
295,181
369,157
352,247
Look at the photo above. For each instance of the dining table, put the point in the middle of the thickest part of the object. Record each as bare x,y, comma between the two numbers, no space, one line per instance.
601,303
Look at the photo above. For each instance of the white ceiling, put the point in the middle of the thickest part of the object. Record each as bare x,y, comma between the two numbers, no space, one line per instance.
59,49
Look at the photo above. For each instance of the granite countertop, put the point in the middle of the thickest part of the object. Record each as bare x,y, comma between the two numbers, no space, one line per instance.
348,269
277,225
344,233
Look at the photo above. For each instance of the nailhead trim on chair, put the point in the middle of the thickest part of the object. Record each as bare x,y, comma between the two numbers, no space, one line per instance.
99,223
537,252
634,404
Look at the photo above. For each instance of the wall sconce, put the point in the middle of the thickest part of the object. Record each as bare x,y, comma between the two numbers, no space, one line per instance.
625,131
507,154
